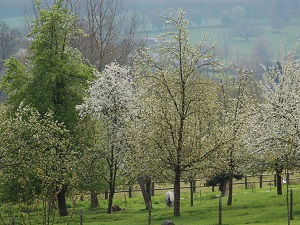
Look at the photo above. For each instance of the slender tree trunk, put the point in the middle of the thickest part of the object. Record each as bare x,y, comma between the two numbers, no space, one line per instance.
110,197
148,188
146,197
94,200
61,200
177,192
230,180
224,187
279,183
192,191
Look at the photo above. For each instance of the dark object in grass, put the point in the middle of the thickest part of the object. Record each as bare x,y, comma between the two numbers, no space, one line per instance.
168,222
115,208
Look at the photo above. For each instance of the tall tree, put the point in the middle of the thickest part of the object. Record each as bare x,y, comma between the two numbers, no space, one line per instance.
55,76
274,126
236,96
110,96
176,101
112,34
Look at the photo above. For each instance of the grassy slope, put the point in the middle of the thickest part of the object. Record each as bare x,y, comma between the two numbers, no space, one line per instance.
260,207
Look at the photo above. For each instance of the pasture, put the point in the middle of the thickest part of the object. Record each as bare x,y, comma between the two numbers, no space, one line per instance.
240,48
258,206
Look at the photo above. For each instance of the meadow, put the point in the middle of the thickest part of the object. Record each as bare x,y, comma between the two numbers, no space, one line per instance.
258,206
239,47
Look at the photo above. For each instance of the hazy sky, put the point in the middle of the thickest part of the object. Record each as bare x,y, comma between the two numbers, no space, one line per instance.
12,8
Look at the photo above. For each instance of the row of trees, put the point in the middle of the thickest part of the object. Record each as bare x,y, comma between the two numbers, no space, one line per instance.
69,126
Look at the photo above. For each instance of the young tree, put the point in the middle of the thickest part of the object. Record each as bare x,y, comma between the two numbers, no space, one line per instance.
110,96
36,148
55,75
91,169
236,97
177,102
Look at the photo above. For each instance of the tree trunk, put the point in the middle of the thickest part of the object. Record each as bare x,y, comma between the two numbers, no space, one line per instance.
192,191
146,197
148,188
61,200
224,187
110,198
94,200
177,193
230,181
279,183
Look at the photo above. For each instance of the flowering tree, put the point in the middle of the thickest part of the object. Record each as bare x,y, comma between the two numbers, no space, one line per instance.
177,102
36,155
275,125
110,96
236,97
275,130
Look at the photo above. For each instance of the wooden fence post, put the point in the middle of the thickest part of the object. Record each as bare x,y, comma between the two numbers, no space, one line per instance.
246,182
220,210
260,180
129,191
200,195
291,205
149,213
81,217
125,200
152,189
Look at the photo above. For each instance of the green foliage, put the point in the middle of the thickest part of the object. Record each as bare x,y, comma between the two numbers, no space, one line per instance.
15,82
55,75
16,187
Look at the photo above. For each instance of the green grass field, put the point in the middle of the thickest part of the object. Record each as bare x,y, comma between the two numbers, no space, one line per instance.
240,47
260,207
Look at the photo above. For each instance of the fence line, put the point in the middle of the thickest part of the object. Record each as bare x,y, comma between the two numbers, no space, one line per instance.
247,184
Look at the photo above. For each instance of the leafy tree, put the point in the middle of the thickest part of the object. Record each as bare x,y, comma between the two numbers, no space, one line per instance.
245,29
226,18
38,147
238,13
55,75
176,101
91,169
278,23
110,96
